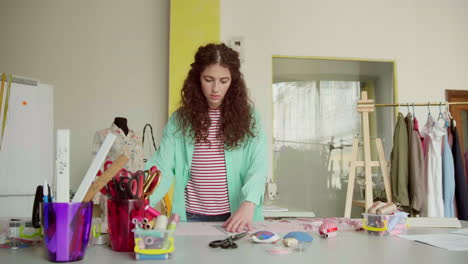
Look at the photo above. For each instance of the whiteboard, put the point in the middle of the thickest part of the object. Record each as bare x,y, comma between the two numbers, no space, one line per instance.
26,154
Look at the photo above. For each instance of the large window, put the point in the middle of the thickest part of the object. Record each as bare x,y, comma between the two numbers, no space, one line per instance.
317,116
315,122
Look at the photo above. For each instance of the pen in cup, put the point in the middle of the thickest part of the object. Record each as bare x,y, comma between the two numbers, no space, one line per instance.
45,192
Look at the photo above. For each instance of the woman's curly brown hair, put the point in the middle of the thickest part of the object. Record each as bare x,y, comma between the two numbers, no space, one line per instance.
236,122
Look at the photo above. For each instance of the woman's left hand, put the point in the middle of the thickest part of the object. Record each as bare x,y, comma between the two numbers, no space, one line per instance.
241,219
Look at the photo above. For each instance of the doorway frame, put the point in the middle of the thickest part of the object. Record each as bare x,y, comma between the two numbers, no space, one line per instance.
456,110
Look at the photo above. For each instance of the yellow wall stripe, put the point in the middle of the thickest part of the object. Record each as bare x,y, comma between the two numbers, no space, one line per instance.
193,23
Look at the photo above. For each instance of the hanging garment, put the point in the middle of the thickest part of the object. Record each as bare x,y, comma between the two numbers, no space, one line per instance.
465,159
448,177
461,189
417,190
399,163
433,134
450,136
416,127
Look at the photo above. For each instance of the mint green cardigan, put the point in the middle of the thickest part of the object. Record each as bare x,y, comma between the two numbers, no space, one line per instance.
246,169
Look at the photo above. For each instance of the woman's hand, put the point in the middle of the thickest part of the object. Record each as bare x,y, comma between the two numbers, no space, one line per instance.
241,219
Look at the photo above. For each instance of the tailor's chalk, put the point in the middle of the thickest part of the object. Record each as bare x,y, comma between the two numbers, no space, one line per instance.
279,251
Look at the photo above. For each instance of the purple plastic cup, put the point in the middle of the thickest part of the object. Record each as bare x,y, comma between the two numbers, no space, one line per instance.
66,230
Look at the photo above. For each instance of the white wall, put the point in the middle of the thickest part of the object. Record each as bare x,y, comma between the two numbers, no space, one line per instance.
428,40
105,58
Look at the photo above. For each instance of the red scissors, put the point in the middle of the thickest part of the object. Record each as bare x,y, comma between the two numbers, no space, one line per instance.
129,187
113,189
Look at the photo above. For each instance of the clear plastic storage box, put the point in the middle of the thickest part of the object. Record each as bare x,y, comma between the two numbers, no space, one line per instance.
18,233
384,225
153,244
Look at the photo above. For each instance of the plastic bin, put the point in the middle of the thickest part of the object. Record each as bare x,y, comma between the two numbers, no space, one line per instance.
66,230
153,244
120,226
18,233
384,225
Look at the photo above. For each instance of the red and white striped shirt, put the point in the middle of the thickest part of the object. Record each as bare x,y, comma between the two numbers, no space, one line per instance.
207,192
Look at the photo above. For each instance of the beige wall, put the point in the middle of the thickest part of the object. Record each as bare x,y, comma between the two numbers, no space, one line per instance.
106,58
428,40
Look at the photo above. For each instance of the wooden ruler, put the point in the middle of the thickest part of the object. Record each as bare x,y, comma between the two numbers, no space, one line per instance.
102,180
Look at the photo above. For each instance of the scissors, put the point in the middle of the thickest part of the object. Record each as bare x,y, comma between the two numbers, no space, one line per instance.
129,187
228,242
151,183
111,191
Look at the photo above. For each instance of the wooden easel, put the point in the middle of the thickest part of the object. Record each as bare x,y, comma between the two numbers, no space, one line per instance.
365,106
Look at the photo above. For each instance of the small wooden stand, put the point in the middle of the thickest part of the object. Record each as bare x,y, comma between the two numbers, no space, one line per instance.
365,106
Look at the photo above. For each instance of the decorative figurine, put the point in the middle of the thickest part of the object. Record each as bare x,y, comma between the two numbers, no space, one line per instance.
328,229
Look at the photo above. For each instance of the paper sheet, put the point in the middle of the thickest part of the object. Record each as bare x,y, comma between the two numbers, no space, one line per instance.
463,231
274,208
451,241
283,226
198,229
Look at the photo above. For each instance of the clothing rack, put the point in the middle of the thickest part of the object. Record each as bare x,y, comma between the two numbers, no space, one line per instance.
420,104
364,107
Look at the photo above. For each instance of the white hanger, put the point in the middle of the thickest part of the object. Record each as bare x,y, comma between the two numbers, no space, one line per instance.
449,115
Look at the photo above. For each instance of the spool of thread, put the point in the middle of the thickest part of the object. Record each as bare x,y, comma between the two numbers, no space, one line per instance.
152,211
149,225
173,221
161,222
374,207
149,240
139,225
145,220
134,221
387,209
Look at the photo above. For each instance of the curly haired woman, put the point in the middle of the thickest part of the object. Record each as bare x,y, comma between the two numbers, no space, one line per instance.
213,148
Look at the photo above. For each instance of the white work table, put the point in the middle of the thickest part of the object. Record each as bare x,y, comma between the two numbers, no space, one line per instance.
348,247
